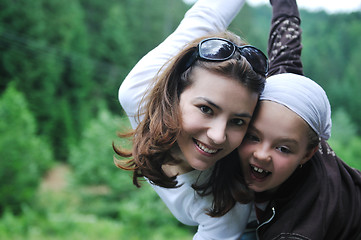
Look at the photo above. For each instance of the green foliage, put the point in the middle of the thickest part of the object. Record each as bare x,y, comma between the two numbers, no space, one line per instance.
67,56
92,158
343,129
121,32
344,140
58,214
57,225
92,162
350,153
253,25
37,43
67,223
330,57
24,156
143,207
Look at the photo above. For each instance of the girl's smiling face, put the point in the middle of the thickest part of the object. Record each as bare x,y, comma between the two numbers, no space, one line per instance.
275,145
216,112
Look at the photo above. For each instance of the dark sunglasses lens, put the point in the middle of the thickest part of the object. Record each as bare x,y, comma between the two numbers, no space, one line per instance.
216,49
256,58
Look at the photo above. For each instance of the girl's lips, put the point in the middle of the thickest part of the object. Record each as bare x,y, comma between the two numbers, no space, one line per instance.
205,148
258,173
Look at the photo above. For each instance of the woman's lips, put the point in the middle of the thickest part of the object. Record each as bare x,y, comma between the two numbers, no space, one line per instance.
206,148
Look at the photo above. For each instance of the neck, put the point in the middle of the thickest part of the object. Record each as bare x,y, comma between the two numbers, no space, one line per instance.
178,164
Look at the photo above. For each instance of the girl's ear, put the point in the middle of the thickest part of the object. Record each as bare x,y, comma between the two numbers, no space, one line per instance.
309,155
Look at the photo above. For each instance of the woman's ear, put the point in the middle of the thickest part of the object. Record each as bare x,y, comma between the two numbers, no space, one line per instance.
309,155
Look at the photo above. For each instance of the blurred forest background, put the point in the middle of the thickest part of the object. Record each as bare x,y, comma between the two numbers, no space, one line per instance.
61,63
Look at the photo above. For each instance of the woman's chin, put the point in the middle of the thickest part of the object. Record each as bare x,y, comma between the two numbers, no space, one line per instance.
201,166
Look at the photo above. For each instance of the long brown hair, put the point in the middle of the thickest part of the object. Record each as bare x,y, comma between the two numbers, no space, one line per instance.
161,121
227,185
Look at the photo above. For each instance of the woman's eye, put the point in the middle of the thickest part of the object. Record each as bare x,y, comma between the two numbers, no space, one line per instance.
206,110
284,149
238,122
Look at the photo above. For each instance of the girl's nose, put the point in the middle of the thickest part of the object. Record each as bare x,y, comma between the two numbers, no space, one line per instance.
262,154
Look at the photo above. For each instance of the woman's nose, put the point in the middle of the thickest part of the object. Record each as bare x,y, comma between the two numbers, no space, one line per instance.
217,132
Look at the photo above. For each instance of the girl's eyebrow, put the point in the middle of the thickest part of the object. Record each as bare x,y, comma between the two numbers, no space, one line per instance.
282,139
243,115
252,128
289,140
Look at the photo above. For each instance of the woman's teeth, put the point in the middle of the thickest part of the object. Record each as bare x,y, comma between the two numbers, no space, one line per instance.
205,149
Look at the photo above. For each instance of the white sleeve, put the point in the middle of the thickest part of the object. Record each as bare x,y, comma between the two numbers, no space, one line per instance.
204,17
230,226
190,209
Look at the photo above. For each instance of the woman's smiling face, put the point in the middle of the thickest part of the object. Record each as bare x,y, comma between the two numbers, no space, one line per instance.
275,145
216,112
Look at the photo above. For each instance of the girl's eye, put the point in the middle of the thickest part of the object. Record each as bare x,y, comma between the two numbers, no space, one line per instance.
251,137
206,110
284,149
238,122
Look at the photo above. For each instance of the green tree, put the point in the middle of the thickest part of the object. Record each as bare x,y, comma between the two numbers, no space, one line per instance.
93,166
44,47
72,103
112,49
24,156
253,25
92,158
331,59
344,139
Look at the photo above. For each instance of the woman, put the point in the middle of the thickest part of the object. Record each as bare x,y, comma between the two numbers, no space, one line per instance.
195,114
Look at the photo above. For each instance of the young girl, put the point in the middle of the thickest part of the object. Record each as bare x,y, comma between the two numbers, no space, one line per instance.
302,189
195,114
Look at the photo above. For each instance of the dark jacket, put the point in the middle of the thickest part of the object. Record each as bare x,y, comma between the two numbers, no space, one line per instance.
321,200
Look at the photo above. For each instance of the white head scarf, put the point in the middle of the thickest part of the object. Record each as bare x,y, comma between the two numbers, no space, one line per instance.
304,97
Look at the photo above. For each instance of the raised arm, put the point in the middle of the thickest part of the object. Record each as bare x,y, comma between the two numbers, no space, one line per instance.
284,43
205,16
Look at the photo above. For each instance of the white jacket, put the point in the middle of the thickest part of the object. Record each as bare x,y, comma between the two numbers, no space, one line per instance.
206,16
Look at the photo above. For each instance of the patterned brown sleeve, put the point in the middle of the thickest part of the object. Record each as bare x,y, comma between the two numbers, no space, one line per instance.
284,45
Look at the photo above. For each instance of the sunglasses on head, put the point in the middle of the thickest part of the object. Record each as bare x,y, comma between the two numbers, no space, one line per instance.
219,49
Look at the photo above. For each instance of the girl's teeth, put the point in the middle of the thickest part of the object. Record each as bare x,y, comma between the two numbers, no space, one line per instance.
256,169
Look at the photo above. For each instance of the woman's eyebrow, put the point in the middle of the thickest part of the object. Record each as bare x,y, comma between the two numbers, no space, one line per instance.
245,114
209,102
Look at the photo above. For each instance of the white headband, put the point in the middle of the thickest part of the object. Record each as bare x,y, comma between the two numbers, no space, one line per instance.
304,97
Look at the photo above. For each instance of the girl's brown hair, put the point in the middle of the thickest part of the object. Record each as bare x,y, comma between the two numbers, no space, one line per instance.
161,121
